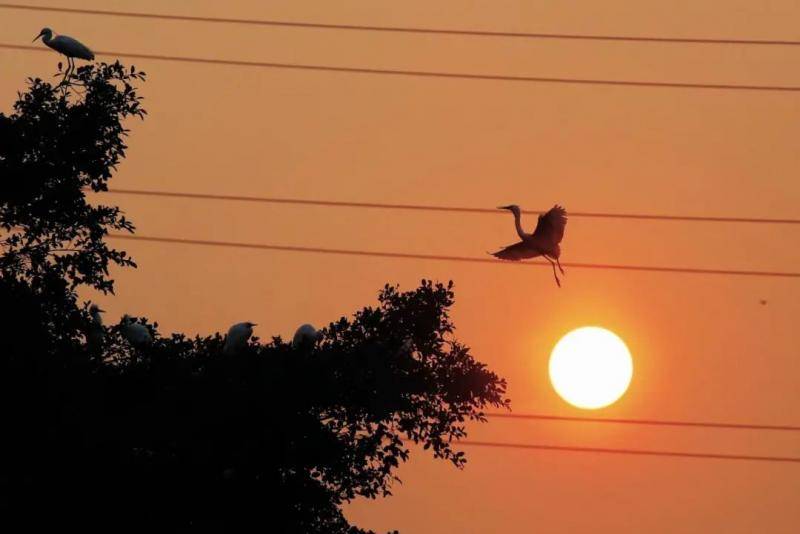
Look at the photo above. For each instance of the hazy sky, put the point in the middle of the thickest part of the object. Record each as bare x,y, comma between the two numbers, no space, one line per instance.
704,348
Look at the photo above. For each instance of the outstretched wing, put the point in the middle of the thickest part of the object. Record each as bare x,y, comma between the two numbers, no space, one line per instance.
550,228
516,252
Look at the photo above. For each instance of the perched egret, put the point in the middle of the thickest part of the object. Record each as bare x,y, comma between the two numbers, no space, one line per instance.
305,337
237,337
137,334
95,333
544,241
63,44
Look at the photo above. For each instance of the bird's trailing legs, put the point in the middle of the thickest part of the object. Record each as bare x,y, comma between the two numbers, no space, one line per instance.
555,275
560,268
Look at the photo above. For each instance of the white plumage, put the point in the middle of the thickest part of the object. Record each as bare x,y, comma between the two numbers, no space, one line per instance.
135,333
96,333
305,337
237,337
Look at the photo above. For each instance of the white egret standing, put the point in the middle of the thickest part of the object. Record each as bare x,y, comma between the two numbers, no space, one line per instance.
305,337
544,241
237,337
63,44
95,333
137,334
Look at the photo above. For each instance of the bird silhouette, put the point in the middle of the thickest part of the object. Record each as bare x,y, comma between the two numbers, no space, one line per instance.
135,333
63,44
237,337
95,334
305,337
544,241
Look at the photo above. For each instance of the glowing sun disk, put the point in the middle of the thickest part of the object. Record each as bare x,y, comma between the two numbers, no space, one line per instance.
591,367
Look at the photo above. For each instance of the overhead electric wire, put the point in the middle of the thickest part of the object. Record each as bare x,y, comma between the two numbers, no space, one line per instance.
456,209
647,422
428,74
437,257
638,452
403,29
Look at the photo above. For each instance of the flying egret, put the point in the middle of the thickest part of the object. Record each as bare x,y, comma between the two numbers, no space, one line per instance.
63,44
544,241
95,333
137,334
305,337
237,337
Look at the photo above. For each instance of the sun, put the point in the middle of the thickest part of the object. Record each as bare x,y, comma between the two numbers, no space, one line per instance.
591,367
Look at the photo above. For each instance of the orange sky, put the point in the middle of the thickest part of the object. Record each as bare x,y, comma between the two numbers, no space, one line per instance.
703,347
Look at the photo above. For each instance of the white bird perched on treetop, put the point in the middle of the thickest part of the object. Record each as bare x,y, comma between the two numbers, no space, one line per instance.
95,311
237,337
63,44
544,241
95,333
305,337
137,334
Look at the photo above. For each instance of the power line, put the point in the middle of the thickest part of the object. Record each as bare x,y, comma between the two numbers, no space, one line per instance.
639,452
456,209
649,422
403,29
435,257
429,74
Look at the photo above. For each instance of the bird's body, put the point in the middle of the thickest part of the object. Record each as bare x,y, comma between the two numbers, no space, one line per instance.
135,333
545,240
68,46
237,337
305,337
95,334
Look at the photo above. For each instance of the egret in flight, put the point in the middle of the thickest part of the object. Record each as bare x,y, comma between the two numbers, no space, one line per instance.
63,44
237,337
544,241
137,334
305,337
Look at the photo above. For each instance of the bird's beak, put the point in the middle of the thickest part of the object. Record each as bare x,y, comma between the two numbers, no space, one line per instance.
504,207
34,39
101,311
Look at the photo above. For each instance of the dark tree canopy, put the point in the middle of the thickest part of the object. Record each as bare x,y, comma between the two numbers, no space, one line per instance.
177,434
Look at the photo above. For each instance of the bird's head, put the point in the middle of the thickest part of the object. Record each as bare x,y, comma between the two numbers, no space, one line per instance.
513,208
250,325
94,309
47,33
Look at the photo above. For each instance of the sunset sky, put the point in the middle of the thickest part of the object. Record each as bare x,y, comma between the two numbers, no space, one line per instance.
704,347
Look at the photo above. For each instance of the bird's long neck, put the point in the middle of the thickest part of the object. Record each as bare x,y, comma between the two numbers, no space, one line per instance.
96,318
518,224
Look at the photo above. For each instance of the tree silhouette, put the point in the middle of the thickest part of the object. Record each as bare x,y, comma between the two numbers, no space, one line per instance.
178,434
